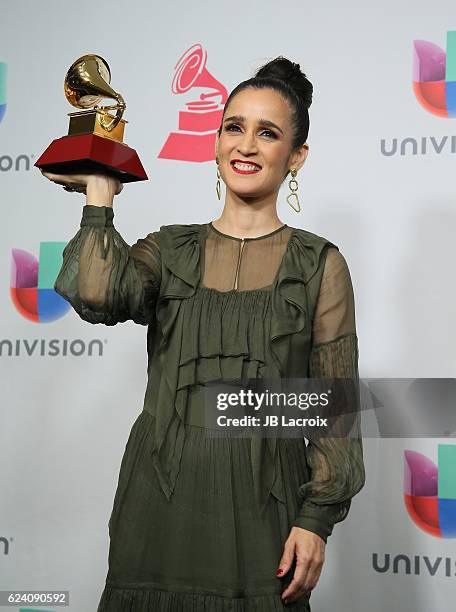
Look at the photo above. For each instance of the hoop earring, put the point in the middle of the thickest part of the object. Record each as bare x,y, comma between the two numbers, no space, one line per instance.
293,185
217,187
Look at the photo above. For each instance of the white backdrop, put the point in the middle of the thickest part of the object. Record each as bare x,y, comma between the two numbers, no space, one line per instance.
65,418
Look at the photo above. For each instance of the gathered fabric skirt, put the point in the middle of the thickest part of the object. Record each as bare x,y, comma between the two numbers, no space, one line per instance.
206,549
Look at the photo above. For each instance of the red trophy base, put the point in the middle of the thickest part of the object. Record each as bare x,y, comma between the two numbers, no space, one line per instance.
89,153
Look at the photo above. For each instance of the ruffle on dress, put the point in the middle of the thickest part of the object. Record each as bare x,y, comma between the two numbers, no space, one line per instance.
221,342
216,342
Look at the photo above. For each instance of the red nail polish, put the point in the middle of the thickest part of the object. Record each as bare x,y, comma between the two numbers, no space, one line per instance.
279,572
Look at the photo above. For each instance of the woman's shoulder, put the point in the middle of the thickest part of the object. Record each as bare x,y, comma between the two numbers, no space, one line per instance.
179,228
179,249
176,234
311,239
335,262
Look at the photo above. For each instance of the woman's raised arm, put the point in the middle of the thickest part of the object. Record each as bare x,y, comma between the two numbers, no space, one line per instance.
104,279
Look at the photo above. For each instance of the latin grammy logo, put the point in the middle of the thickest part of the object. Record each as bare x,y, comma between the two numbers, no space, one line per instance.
197,125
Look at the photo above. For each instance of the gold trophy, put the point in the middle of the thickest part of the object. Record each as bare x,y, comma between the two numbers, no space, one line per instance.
95,136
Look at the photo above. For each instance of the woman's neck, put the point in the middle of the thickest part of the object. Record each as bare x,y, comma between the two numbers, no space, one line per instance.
248,218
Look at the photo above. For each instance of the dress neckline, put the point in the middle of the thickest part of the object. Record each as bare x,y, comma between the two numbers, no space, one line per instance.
279,229
203,234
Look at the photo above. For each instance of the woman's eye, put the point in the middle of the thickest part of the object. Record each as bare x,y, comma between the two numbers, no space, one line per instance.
269,133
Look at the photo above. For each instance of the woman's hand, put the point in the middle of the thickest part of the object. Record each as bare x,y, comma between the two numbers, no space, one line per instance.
310,555
100,188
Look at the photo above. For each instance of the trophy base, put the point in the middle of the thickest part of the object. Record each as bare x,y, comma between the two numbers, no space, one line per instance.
88,122
89,153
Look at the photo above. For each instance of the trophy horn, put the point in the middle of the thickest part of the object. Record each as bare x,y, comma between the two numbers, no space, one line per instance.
87,82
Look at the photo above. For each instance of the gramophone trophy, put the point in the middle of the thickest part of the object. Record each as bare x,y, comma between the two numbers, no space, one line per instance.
95,136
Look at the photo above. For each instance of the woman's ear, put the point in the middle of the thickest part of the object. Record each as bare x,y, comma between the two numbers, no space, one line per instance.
299,156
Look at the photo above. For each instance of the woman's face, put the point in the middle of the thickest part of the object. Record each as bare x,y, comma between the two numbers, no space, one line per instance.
256,129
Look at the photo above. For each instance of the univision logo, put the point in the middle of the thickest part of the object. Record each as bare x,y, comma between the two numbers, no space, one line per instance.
434,86
32,283
430,491
434,76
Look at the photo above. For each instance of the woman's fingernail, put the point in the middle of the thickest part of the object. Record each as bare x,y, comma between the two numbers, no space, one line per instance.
279,571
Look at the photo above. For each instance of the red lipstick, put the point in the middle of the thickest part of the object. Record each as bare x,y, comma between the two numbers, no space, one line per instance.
241,161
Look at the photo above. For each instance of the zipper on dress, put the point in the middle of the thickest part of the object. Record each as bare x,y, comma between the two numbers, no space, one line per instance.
236,279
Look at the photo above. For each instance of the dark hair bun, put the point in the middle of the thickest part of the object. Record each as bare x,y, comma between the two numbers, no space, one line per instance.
283,69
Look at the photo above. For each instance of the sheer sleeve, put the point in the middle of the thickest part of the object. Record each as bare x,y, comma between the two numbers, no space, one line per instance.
104,279
336,462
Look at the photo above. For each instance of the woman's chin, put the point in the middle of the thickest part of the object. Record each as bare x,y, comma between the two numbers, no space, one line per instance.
244,191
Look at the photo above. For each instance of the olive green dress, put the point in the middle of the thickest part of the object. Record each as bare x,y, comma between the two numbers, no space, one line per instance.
198,522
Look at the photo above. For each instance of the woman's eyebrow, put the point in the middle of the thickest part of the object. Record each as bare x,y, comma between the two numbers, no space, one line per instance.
241,118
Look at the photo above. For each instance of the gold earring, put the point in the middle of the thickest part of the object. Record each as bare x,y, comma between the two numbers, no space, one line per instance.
293,185
217,187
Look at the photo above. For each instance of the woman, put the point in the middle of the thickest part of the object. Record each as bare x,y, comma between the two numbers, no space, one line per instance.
199,522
